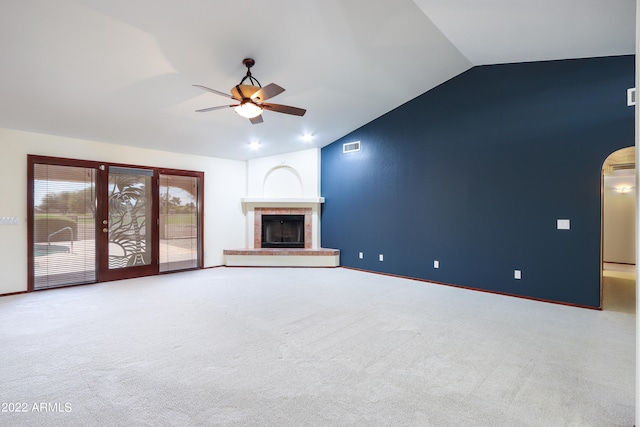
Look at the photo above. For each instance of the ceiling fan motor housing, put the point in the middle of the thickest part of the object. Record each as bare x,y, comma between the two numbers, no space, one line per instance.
244,92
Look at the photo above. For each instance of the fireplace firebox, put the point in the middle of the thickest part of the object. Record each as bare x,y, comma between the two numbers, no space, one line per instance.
283,231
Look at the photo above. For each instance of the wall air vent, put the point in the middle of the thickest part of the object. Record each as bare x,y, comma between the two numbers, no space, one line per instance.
623,166
350,147
631,96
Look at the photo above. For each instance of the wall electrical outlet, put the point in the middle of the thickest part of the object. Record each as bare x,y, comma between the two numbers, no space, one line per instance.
517,274
564,224
436,264
360,255
380,257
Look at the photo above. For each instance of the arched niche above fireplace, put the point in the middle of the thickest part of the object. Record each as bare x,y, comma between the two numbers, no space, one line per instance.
282,181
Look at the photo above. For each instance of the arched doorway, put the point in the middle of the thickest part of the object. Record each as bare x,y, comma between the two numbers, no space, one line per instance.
619,231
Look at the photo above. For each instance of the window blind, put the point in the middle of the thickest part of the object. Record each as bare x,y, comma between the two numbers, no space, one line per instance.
64,236
179,222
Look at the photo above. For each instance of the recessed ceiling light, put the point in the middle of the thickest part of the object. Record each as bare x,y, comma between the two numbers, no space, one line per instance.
254,145
307,137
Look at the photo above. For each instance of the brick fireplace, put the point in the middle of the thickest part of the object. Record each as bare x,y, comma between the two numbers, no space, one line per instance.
312,255
257,223
254,208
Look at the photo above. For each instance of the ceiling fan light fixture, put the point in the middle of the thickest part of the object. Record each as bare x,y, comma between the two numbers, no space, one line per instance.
248,110
251,98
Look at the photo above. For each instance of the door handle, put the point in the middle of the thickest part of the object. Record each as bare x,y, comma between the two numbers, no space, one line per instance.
105,230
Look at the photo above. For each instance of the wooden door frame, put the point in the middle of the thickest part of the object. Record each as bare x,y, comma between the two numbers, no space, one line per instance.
106,274
101,187
200,207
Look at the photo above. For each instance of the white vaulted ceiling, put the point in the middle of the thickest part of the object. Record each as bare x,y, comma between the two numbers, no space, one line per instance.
122,71
502,31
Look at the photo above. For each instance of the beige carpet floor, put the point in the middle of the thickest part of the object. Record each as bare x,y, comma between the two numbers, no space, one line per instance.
619,290
309,347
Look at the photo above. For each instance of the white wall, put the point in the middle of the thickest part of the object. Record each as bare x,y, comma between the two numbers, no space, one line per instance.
294,174
619,224
291,178
225,184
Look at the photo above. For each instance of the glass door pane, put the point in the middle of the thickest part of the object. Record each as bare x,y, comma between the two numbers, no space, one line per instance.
179,222
95,222
129,217
64,232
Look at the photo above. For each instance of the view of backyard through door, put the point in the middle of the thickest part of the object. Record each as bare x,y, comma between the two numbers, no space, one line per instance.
179,224
91,222
64,232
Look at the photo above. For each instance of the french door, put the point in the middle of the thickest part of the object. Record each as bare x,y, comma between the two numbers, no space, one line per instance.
126,247
94,222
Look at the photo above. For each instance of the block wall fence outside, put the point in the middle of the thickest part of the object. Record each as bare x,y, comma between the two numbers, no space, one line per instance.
475,174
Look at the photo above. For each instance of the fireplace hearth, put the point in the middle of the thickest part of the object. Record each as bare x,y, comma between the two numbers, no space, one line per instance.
283,231
306,253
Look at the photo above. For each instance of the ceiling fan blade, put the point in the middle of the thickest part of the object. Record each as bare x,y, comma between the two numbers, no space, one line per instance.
256,120
278,108
217,92
269,91
204,110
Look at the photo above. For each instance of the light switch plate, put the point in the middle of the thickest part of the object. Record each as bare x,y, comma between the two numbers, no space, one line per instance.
360,255
9,220
436,264
381,257
564,224
517,274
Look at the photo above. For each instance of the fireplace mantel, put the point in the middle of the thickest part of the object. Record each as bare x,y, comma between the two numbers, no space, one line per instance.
281,201
313,255
254,207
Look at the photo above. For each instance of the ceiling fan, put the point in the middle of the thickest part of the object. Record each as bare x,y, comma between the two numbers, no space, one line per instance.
251,98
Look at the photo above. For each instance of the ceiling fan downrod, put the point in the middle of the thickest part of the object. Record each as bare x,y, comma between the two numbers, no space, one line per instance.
249,62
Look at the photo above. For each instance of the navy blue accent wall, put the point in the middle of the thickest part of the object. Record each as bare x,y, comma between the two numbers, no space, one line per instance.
475,173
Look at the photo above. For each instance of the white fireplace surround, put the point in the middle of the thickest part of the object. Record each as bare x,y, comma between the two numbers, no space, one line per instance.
250,204
287,184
